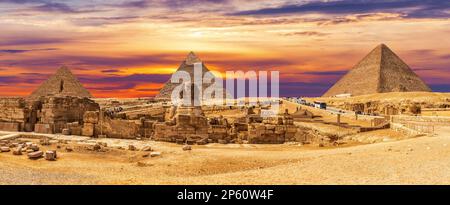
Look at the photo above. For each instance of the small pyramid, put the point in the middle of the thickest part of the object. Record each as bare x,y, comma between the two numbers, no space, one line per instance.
380,71
62,83
192,58
188,66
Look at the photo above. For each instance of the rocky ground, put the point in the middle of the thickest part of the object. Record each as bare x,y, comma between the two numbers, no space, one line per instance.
422,160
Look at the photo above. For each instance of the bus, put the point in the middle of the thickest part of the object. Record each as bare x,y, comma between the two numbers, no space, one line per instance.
320,105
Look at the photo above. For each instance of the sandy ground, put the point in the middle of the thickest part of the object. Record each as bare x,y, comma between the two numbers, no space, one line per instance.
423,160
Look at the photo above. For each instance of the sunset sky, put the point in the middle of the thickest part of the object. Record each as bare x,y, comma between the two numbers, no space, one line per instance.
129,48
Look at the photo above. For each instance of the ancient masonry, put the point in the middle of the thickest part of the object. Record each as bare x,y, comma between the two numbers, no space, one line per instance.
61,106
62,83
379,72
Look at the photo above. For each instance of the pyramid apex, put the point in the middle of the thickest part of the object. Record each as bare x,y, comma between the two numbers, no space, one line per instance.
63,69
382,46
192,58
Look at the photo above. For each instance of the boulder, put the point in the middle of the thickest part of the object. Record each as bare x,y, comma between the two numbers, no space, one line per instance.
34,147
65,131
131,147
35,155
155,154
222,142
147,149
50,155
187,147
5,149
18,150
96,147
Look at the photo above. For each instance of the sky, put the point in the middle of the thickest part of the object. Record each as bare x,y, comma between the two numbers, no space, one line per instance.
130,48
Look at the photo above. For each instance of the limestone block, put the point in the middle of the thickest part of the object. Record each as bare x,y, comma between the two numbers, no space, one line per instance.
87,130
43,128
91,117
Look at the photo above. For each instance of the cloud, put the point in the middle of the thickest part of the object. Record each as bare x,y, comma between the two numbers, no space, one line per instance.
60,8
340,72
412,8
305,33
100,21
29,40
88,62
111,71
14,51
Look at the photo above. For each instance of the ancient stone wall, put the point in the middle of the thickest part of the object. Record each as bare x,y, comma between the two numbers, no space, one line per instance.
57,112
16,114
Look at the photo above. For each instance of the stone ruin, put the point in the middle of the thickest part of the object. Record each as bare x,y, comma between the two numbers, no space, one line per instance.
55,108
47,115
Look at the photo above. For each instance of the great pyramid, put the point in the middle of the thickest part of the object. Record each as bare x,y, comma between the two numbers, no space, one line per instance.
380,71
62,83
188,66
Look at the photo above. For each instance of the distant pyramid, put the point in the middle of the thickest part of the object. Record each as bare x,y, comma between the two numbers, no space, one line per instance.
188,66
62,83
380,71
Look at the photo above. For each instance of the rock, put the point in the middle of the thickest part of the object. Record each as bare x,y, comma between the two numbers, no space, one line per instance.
91,117
187,147
96,147
147,149
30,151
222,142
69,149
17,152
131,147
5,149
321,145
44,142
35,155
34,147
87,130
410,149
65,131
202,142
50,155
146,155
155,154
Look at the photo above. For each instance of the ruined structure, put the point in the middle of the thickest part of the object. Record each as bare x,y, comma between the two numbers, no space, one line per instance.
44,115
17,115
62,83
379,72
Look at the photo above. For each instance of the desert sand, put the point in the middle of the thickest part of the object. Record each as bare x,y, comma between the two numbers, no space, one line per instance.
422,160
